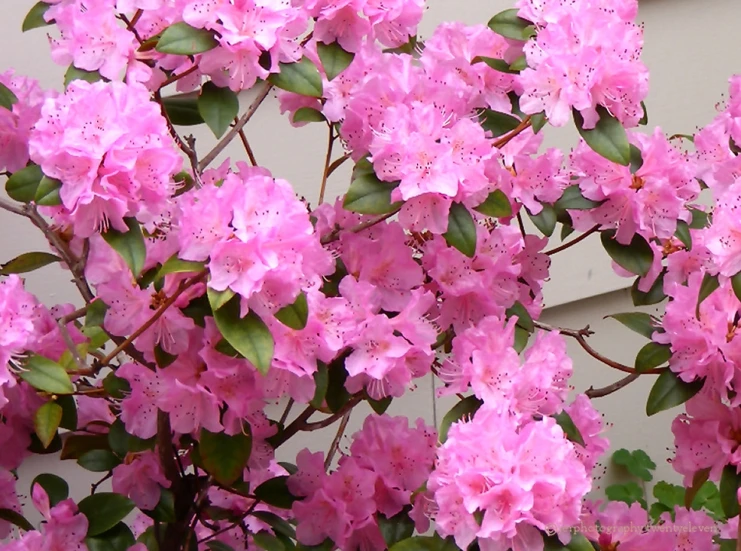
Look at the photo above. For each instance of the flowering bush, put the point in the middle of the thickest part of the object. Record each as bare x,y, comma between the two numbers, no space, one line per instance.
209,293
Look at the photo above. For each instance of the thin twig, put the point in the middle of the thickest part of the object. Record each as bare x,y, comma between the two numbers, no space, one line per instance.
286,411
308,427
186,148
574,241
337,163
72,316
11,208
157,315
244,119
327,163
246,144
175,78
94,485
504,140
336,442
521,224
335,235
614,387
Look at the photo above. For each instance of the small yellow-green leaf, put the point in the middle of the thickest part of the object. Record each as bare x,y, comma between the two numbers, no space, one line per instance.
28,262
295,315
46,422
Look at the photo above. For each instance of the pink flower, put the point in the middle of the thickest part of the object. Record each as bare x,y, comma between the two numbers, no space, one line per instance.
8,499
141,480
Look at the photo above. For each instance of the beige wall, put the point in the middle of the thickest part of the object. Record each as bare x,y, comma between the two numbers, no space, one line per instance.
690,49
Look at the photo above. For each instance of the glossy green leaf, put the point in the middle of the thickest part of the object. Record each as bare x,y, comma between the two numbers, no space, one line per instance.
182,39
174,265
37,447
640,322
77,444
118,538
683,234
274,491
522,337
35,17
700,219
55,487
267,541
334,59
295,315
69,412
224,457
28,262
519,64
397,528
538,121
496,64
463,410
217,299
130,245
498,123
15,518
47,193
73,73
104,510
425,543
461,233
301,77
670,391
496,205
248,335
652,355
182,109
708,286
321,381
122,443
636,159
608,137
22,184
570,429
7,97
380,406
579,542
524,319
545,220
44,374
307,114
654,295
46,422
730,482
218,107
636,257
367,194
573,199
337,395
644,119
510,25
98,461
637,462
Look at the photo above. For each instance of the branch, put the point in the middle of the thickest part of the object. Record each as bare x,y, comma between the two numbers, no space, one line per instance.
335,235
157,315
246,144
614,387
504,140
355,400
337,163
175,78
336,442
574,241
327,163
187,148
226,140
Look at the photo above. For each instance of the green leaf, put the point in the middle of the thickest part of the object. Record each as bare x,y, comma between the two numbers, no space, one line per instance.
730,481
636,159
7,97
708,286
130,245
498,123
736,285
174,265
425,543
520,64
652,355
522,337
182,39
573,199
637,257
15,518
510,25
545,220
164,511
670,391
669,495
639,322
566,230
182,109
301,77
380,406
608,137
118,538
496,205
698,480
463,410
116,386
579,542
570,429
295,315
279,525
700,219
218,107
47,193
121,442
28,262
524,319
223,456
334,59
461,232
683,234
367,194
248,335
55,487
104,510
98,461
321,380
73,73
44,374
538,121
162,358
628,493
727,545
22,184
35,17
217,299
644,118
69,412
274,491
149,539
496,64
267,541
637,462
77,444
397,528
337,395
308,114
46,422
654,295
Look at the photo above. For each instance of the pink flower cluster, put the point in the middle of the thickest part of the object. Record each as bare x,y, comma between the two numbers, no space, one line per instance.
518,478
586,54
109,145
388,461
